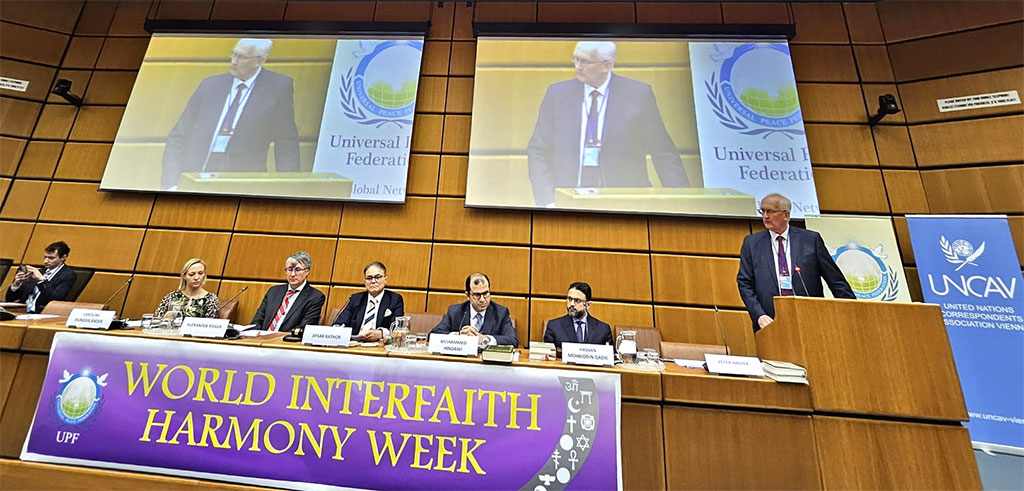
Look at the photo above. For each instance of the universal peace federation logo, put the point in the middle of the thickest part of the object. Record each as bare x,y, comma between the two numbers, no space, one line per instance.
78,396
381,89
868,275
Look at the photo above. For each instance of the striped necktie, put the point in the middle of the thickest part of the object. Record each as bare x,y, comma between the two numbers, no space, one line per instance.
371,314
281,310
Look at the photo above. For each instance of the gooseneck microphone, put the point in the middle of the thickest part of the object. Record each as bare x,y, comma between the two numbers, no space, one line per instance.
721,330
236,296
125,285
801,276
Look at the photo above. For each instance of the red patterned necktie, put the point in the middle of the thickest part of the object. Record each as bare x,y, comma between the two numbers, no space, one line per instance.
281,310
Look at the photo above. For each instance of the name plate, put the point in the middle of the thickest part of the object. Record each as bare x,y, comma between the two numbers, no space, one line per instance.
734,365
90,319
452,344
588,354
201,327
335,336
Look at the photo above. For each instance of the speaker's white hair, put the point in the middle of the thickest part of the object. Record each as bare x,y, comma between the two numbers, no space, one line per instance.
259,47
606,50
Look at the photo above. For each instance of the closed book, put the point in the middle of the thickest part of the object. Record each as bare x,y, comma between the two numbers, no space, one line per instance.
500,353
783,368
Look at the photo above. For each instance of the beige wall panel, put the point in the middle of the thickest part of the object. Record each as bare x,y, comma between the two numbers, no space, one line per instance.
518,309
871,94
695,280
147,291
123,53
8,366
816,63
819,23
24,199
958,53
442,20
82,52
905,191
544,309
456,134
460,95
413,220
506,12
899,224
862,22
850,190
40,159
337,296
893,146
435,58
110,87
755,13
268,10
873,63
430,94
106,248
14,239
998,189
608,12
423,173
720,237
700,326
612,275
414,300
463,58
919,97
507,267
263,256
841,144
289,216
678,13
83,161
166,251
11,150
60,17
456,223
463,28
55,121
324,10
597,231
83,203
194,212
30,44
39,77
452,181
5,183
426,133
969,142
97,123
408,263
19,116
249,302
942,16
831,103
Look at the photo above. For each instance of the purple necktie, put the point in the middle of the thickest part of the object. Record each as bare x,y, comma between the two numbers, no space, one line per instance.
228,126
783,265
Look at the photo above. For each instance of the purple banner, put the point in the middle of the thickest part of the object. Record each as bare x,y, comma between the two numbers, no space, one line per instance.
305,419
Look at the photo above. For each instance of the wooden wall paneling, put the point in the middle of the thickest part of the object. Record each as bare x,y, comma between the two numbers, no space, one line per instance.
456,223
1017,232
998,189
819,23
460,95
30,44
83,161
14,240
5,184
110,87
330,11
40,159
129,18
83,52
899,225
607,12
263,257
265,10
873,63
19,116
122,53
871,94
456,134
426,133
39,77
24,199
75,202
8,367
718,237
97,123
700,326
166,251
969,142
463,28
864,454
612,313
463,58
612,275
11,150
841,145
423,174
507,267
893,146
436,56
905,191
413,220
862,23
430,94
96,18
408,263
678,13
695,280
755,13
913,284
831,103
822,63
518,307
414,300
442,20
106,248
505,12
60,16
643,451
939,17
337,297
408,11
17,418
200,10
919,97
289,216
452,180
851,190
958,53
598,231
146,292
691,463
193,212
21,474
55,122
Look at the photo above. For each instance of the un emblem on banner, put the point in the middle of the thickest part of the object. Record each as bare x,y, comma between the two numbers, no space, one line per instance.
748,93
960,252
79,396
381,90
867,273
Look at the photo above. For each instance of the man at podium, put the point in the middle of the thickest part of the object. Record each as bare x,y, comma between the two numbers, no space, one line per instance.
784,260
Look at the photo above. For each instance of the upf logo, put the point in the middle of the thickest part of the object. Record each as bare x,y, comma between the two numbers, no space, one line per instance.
78,398
750,89
960,252
866,271
381,90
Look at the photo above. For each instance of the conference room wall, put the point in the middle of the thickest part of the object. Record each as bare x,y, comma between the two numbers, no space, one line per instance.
647,270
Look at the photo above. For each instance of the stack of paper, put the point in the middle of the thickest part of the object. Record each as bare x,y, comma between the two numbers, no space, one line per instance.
784,371
542,351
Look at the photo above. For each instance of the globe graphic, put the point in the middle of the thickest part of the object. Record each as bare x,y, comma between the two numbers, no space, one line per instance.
962,248
77,397
861,270
762,87
392,75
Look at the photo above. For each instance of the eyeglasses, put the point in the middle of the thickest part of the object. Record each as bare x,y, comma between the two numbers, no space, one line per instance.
236,56
376,277
576,60
576,301
295,270
480,295
763,212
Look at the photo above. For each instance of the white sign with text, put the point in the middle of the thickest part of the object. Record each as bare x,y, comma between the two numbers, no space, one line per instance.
452,344
202,327
588,354
734,365
90,319
334,336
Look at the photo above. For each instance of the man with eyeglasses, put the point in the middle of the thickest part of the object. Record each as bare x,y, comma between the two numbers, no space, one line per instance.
293,305
479,316
597,130
577,326
371,312
38,287
231,119
784,260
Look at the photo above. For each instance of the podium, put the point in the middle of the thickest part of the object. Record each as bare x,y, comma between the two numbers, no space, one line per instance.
691,201
327,185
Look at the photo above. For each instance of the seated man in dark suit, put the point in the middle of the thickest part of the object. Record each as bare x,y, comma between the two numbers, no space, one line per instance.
577,326
293,305
769,258
36,288
370,313
479,316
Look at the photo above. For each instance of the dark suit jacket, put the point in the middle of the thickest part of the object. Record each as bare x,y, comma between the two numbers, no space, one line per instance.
632,129
758,280
55,289
563,330
305,310
497,322
268,116
352,314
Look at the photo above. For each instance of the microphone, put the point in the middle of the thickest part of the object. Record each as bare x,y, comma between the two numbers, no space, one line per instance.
806,293
236,295
343,307
125,285
721,330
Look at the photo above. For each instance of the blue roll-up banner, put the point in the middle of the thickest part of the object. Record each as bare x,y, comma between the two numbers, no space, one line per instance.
968,265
